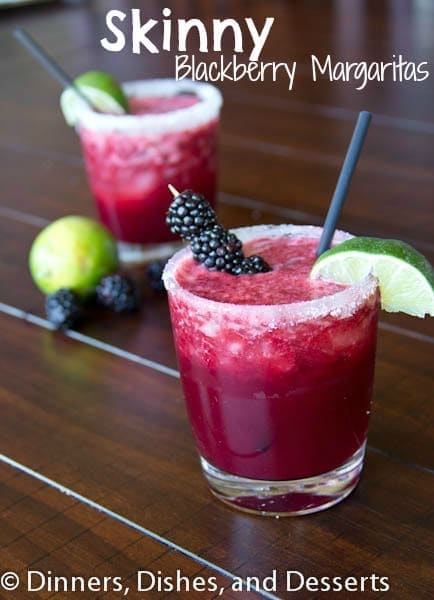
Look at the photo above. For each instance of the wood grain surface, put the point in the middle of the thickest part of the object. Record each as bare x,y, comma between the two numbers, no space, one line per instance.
98,470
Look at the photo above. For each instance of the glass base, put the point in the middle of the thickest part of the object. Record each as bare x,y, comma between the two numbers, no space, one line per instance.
286,498
131,254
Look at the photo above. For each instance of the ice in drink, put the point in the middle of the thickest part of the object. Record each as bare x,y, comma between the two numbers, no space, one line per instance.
170,136
277,371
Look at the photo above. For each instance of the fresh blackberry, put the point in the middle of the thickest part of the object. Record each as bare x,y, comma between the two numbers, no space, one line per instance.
252,265
189,214
118,293
154,272
218,249
63,308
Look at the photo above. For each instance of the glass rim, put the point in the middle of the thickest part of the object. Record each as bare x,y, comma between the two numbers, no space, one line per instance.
340,304
174,120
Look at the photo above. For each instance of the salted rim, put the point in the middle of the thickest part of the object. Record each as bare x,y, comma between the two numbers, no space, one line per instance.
176,120
342,303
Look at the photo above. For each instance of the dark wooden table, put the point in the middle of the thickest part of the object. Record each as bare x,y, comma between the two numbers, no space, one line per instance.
98,471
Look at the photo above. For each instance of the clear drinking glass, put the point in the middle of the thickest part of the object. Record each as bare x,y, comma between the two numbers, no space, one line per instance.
170,136
279,395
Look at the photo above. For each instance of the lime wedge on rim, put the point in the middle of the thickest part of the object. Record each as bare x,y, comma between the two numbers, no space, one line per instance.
405,276
104,92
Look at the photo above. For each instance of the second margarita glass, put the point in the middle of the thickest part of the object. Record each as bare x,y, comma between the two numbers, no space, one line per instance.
169,136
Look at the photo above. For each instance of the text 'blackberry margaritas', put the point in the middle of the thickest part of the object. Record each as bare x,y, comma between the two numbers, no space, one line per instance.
277,371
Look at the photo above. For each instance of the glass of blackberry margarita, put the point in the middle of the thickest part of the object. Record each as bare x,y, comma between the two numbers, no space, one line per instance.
169,136
277,371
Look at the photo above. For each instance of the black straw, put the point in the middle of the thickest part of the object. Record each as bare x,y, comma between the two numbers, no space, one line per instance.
49,63
344,181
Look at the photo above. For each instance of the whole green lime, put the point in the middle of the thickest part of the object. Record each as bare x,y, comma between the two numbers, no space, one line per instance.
72,252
